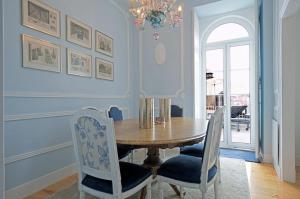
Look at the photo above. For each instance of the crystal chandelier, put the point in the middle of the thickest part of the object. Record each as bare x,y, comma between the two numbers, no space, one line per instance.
157,13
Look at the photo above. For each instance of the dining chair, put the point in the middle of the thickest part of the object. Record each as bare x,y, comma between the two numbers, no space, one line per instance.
100,172
176,111
116,114
196,173
197,150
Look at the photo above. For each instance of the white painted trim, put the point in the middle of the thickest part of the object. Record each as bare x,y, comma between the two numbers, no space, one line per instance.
253,70
267,158
124,12
32,116
24,94
287,158
180,91
297,160
15,158
37,184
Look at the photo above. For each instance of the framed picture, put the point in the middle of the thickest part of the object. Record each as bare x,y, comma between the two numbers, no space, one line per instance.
40,16
79,33
104,69
79,64
42,55
104,44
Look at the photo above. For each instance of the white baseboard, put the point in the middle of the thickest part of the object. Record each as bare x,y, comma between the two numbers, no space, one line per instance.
268,158
37,184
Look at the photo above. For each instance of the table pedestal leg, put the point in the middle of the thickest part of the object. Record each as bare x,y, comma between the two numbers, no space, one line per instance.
153,160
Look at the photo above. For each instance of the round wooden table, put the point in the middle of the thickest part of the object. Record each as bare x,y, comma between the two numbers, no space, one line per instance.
178,132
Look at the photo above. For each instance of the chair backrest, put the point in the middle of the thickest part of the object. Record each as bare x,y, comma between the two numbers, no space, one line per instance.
212,144
176,111
115,113
95,147
237,110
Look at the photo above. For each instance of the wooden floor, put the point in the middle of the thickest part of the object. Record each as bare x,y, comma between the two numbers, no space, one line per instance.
263,184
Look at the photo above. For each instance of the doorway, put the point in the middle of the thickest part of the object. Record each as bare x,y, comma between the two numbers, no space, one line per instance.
228,59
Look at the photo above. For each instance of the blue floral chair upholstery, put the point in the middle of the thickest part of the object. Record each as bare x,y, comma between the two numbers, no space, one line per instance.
116,114
100,172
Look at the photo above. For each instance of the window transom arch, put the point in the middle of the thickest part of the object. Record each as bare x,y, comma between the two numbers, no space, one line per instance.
226,32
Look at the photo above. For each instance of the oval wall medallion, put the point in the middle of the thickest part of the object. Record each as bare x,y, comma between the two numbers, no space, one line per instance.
160,54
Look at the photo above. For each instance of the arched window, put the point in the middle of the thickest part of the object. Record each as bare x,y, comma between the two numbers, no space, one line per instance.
228,31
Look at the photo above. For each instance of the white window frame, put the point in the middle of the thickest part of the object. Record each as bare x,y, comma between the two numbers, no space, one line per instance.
253,69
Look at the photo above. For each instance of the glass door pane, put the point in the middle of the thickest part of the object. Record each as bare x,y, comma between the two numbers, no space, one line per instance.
214,81
239,72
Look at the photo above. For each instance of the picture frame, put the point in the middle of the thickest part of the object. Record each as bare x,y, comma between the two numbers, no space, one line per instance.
79,64
104,69
41,17
79,33
104,44
40,54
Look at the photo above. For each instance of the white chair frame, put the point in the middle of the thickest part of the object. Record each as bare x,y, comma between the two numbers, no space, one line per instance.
114,174
210,158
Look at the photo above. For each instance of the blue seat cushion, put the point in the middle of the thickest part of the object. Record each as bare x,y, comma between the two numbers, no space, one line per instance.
123,152
196,150
185,168
131,176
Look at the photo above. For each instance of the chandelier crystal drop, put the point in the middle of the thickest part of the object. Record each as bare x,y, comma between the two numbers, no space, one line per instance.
157,13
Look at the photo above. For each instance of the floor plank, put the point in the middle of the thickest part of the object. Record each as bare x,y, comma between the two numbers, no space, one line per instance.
262,179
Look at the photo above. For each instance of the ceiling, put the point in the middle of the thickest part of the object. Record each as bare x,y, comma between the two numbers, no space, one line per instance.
223,6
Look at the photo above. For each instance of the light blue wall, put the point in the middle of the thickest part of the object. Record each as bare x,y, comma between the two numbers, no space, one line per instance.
165,80
267,75
22,86
1,105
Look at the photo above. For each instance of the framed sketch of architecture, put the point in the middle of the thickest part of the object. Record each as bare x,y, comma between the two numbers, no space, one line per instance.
104,69
79,33
103,44
79,64
40,16
42,55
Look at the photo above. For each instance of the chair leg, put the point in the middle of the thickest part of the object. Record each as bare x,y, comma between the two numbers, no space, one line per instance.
82,195
216,187
219,170
163,154
203,195
149,191
182,192
131,157
160,190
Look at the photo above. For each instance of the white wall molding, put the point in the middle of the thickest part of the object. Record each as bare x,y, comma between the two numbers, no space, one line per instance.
24,94
180,91
267,158
123,11
298,160
32,116
38,152
127,19
35,185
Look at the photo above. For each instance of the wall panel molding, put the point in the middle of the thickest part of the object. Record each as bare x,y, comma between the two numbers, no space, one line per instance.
22,94
180,91
32,116
16,158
